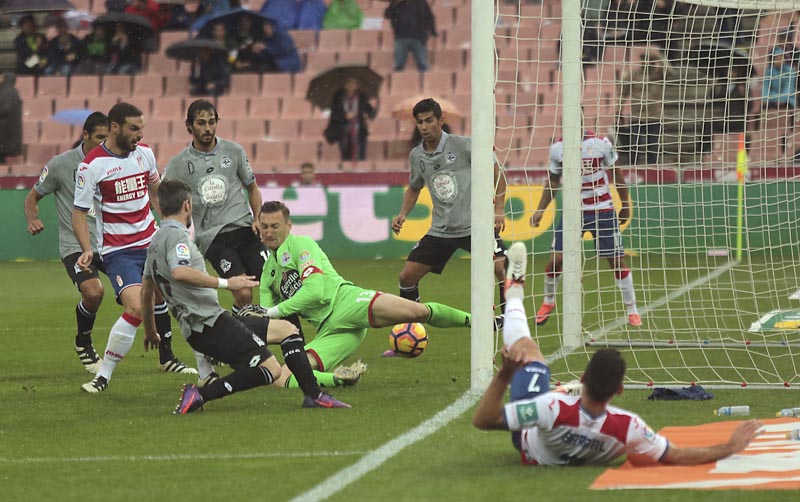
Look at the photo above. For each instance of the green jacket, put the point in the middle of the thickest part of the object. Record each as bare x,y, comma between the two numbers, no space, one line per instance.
343,15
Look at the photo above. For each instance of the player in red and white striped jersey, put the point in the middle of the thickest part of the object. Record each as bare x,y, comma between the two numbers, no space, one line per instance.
119,178
552,428
599,217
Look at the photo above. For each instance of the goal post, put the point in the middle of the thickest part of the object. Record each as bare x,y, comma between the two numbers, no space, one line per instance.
699,100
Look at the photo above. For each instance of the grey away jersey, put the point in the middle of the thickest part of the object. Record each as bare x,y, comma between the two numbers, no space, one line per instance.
217,180
58,177
446,172
193,307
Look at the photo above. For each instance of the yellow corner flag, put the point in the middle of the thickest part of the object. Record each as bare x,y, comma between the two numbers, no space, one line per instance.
741,160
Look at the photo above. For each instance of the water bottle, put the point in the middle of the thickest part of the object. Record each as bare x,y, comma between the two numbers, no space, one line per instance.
794,435
732,411
788,412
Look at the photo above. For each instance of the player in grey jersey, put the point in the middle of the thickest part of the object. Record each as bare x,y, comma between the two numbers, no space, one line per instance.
58,178
177,268
225,196
443,163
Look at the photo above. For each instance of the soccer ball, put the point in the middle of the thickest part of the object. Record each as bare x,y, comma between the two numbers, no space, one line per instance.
408,340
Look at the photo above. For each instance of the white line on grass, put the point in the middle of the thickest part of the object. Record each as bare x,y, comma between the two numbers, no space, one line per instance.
377,457
179,457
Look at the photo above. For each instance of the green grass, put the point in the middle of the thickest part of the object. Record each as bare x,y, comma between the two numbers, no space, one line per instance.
261,444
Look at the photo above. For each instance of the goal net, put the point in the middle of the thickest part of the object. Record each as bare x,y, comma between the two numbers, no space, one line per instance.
699,100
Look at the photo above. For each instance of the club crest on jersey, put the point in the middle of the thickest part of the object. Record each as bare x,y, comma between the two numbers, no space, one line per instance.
225,162
224,265
43,175
140,162
182,251
285,258
450,157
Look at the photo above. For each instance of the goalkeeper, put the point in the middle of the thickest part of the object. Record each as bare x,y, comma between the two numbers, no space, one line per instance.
299,279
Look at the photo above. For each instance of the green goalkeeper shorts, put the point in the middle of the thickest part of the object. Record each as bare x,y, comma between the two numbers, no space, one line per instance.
344,330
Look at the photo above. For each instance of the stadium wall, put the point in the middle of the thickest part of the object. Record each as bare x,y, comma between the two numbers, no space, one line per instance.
354,221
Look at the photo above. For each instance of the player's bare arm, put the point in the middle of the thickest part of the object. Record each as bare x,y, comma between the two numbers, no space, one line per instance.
552,184
80,226
153,192
618,179
410,197
740,438
254,196
500,186
197,278
151,338
489,413
31,208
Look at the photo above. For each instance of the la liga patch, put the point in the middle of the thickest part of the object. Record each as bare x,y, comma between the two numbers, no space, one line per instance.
182,251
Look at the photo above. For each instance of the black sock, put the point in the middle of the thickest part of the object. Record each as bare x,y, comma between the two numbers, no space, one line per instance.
85,325
239,380
295,319
235,310
164,329
294,354
410,292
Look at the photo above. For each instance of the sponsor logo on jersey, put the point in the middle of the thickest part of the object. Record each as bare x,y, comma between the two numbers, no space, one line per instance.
304,255
310,270
290,283
527,413
444,186
450,157
113,170
182,251
225,162
133,187
285,258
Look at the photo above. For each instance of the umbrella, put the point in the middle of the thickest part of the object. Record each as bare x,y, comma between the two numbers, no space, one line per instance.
75,116
325,84
403,110
137,27
204,24
18,6
75,19
189,49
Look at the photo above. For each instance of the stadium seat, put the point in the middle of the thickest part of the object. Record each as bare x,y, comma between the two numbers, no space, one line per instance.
364,40
382,61
319,61
376,150
354,57
276,84
383,128
437,83
391,166
176,85
449,59
304,40
252,129
361,166
294,107
405,83
444,17
18,166
313,128
30,131
160,64
226,128
245,84
38,109
157,130
268,155
398,150
463,83
116,86
167,149
53,133
333,40
285,130
330,153
233,107
40,154
69,104
301,81
303,150
170,37
265,107
84,86
26,87
146,85
168,108
458,38
54,87
328,167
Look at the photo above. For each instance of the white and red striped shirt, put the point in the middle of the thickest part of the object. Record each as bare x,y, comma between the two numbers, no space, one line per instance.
118,189
556,430
597,154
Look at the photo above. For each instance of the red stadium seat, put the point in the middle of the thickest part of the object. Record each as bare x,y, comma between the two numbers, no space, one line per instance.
84,86
37,109
330,153
157,130
265,107
318,61
277,84
283,130
383,128
252,129
333,40
405,83
301,81
364,40
40,154
313,128
30,131
303,150
268,155
69,103
117,86
160,64
233,107
147,86
226,128
26,87
168,108
245,84
54,87
437,83
167,150
304,40
382,61
295,108
176,85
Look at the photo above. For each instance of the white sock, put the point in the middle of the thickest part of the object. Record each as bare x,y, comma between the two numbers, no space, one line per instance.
515,324
550,287
120,341
628,294
204,368
515,291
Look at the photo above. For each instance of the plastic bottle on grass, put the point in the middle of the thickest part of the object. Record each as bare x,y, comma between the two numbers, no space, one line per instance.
788,412
794,435
732,411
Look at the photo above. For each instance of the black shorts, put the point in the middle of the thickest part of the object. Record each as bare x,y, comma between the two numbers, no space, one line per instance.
231,342
235,253
436,251
76,274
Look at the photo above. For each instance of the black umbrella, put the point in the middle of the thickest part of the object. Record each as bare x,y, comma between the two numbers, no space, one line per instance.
323,86
19,6
205,24
138,28
188,50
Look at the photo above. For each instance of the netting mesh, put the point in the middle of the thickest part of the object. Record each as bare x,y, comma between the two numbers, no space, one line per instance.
699,101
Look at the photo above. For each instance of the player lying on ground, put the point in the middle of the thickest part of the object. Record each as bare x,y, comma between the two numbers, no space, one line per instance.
176,266
299,279
552,428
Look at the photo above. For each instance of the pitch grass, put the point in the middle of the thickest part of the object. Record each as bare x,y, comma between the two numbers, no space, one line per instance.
57,443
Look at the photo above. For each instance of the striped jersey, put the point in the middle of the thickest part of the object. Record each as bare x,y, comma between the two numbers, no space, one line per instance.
118,189
597,154
556,430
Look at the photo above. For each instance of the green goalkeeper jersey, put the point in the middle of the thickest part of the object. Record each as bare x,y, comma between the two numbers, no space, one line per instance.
299,279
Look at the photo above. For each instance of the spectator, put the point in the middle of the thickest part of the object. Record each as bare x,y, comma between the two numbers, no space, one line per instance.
307,175
210,75
126,54
147,9
173,16
10,118
780,82
63,52
244,38
96,49
295,14
31,48
343,15
275,51
348,122
412,24
310,15
220,34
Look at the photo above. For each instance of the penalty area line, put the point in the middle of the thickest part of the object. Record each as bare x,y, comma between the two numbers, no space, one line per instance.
339,480
178,457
